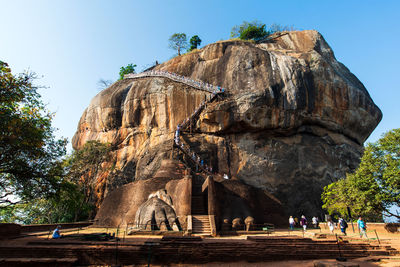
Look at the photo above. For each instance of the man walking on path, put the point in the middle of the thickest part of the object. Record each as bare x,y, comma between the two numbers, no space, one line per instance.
343,225
315,222
291,223
362,227
303,222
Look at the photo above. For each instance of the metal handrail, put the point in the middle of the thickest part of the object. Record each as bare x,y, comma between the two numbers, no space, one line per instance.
198,84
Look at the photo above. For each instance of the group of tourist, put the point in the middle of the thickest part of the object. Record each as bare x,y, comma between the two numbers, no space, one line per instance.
303,222
342,224
196,158
195,83
186,122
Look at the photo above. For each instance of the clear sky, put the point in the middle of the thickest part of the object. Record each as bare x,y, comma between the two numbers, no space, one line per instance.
74,43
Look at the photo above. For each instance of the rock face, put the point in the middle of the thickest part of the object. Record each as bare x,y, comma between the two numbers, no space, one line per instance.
294,118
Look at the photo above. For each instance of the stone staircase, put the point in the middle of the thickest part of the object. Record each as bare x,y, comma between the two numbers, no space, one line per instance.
199,208
198,205
201,225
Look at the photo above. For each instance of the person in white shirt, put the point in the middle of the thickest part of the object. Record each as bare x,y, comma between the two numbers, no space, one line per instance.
291,222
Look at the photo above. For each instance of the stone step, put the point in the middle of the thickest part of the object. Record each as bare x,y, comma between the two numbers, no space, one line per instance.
197,202
201,223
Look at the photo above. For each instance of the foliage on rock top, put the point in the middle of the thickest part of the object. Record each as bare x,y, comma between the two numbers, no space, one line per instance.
254,30
195,41
130,68
178,42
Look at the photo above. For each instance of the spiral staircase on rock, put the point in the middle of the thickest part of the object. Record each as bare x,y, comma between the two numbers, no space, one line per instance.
200,218
199,208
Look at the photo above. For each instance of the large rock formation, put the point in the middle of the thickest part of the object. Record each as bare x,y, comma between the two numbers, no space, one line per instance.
293,121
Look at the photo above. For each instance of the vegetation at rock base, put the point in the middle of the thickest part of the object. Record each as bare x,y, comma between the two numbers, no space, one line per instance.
73,200
178,42
195,41
65,206
130,68
374,187
84,164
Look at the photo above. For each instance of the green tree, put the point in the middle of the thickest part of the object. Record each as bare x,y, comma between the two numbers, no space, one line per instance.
130,68
178,42
195,41
83,166
29,153
254,30
66,206
73,200
375,186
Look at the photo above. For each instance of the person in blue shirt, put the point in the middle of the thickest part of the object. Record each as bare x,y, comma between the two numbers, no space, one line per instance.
343,225
362,227
56,232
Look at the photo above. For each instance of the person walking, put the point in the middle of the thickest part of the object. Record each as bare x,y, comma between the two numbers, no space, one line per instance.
315,222
362,227
291,223
343,226
303,222
331,225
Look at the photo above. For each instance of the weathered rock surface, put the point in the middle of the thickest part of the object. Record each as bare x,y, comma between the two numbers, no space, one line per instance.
166,198
120,207
294,119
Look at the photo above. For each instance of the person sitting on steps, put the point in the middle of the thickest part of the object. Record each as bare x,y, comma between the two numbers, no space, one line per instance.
56,232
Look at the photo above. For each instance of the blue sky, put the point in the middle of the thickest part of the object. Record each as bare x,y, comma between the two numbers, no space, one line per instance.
73,44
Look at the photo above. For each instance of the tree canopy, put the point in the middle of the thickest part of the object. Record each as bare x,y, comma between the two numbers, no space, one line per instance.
195,41
375,186
85,164
37,183
178,42
130,68
254,30
74,198
29,153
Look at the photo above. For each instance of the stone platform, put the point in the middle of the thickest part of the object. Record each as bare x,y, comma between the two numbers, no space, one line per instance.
178,250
